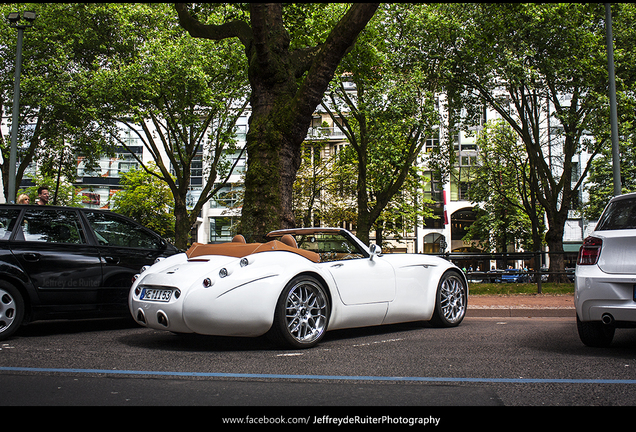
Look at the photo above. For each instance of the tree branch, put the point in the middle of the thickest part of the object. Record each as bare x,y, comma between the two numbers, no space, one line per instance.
341,38
238,29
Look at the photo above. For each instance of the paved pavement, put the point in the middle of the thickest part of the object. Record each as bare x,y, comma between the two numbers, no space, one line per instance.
538,305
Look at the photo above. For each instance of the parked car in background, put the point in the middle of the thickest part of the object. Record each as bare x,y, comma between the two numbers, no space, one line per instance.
605,275
64,262
515,276
296,287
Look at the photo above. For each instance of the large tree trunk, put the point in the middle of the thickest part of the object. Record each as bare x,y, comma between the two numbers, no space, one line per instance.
272,164
182,224
287,86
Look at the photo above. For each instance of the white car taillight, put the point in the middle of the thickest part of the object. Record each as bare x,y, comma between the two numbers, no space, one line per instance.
590,251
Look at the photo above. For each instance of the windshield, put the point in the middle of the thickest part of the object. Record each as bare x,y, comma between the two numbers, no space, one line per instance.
619,215
330,246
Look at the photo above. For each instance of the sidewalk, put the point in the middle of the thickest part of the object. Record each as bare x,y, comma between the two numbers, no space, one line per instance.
535,305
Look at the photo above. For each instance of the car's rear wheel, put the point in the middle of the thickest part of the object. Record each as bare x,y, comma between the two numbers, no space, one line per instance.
595,333
451,301
302,313
11,310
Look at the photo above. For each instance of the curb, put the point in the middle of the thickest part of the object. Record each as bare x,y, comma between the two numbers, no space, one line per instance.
519,312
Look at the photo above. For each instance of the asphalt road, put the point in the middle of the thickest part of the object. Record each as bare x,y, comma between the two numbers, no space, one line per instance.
485,362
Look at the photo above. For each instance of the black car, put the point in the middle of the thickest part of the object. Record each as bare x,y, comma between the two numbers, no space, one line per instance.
64,262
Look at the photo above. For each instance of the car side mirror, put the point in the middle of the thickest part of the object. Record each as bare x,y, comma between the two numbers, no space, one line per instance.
375,250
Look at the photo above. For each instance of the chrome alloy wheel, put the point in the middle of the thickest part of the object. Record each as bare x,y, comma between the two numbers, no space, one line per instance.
452,298
306,311
7,310
11,310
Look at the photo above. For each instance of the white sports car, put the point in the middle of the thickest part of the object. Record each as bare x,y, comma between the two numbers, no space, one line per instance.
295,287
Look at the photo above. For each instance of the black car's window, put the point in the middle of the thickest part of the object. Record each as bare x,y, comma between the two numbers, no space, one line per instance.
619,215
330,247
52,226
111,230
8,218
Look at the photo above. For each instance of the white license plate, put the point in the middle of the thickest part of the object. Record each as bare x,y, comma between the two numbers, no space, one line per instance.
156,294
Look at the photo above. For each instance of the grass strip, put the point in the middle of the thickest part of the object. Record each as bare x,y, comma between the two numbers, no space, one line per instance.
478,288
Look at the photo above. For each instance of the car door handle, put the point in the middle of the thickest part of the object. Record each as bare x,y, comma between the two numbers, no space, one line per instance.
337,265
111,260
31,257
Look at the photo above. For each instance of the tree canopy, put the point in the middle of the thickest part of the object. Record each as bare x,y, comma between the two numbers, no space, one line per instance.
67,44
182,98
543,69
397,69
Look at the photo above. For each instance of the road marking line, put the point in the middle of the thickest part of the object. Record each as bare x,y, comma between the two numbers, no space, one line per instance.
325,377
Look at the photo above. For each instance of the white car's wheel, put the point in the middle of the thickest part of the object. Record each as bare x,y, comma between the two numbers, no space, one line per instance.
452,300
11,310
302,313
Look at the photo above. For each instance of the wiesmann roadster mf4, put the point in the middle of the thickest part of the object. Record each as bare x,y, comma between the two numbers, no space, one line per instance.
295,287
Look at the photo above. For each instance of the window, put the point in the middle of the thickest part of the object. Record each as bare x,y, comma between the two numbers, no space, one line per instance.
434,243
619,215
437,219
431,143
196,170
468,160
221,229
231,156
53,226
111,230
226,197
8,218
126,166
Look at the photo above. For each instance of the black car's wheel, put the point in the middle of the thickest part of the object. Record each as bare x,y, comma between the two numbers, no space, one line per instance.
451,301
302,313
595,333
11,310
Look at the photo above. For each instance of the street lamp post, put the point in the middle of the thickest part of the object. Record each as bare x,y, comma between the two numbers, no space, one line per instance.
616,156
14,21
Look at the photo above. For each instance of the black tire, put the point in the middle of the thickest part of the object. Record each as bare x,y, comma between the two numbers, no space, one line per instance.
451,301
302,314
595,333
11,310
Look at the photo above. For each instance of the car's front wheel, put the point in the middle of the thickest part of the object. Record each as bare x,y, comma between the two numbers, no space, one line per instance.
11,310
302,313
595,333
451,301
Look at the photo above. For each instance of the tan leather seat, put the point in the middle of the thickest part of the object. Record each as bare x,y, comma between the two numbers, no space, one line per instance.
238,239
289,240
